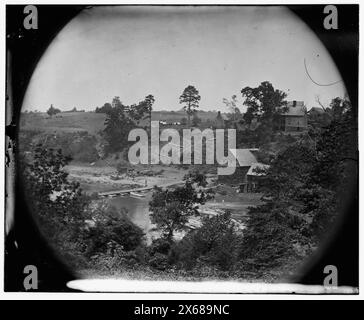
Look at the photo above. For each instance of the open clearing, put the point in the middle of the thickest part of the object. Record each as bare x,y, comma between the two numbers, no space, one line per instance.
64,122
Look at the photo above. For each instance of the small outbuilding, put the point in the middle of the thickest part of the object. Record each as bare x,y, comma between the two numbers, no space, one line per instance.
254,175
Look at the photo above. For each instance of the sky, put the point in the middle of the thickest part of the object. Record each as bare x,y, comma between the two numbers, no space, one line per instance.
131,52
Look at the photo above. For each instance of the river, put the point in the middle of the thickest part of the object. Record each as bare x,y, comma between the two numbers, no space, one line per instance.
138,210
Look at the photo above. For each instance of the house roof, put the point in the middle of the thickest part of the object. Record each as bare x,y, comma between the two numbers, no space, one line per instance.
257,165
295,108
244,156
316,110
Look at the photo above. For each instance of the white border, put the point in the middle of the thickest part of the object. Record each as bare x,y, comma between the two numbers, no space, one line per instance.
170,296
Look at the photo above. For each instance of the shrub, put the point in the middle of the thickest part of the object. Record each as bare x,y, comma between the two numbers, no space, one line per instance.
114,226
182,253
115,258
79,146
84,149
213,244
159,245
268,239
159,261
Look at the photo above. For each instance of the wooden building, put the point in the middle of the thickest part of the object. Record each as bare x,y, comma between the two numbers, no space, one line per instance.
294,118
254,175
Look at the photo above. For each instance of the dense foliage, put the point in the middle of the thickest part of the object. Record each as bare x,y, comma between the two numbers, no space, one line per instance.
52,111
75,224
303,189
171,209
58,204
264,103
213,244
112,227
121,119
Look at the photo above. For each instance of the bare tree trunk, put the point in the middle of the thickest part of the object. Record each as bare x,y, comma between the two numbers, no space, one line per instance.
319,102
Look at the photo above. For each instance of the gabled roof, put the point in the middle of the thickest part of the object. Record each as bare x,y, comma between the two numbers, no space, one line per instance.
257,165
295,108
245,157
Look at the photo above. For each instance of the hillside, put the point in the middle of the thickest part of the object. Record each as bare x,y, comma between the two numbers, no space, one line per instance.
64,122
171,116
92,122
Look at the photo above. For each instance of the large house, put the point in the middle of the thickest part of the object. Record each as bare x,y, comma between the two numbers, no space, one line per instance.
294,118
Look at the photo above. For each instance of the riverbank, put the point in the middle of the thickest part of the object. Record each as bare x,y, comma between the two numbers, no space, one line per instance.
102,179
106,178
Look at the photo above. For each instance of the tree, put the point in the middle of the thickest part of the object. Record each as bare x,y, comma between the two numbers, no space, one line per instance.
116,103
334,175
104,109
190,97
305,189
52,111
340,107
120,119
269,238
48,187
216,240
59,204
213,244
234,112
264,103
289,172
142,110
279,226
112,226
117,127
195,176
171,209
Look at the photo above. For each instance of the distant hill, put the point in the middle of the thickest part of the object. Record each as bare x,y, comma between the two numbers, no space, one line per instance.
63,122
92,122
171,116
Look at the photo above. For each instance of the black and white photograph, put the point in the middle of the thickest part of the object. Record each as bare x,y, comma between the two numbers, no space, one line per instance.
182,148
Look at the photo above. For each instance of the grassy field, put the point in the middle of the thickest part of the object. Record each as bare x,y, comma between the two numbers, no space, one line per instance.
93,123
64,122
